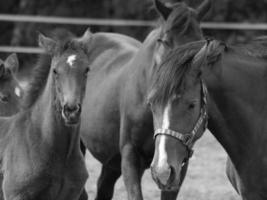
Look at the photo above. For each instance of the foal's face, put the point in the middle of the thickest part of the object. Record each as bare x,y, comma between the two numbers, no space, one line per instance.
69,69
70,75
10,90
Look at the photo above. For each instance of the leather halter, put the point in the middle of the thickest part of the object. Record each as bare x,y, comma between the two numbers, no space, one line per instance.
188,138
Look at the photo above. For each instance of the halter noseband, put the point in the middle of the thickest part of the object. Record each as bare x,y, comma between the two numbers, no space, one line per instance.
187,139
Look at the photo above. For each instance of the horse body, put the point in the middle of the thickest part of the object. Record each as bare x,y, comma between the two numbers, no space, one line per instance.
117,103
40,146
229,85
101,114
33,170
117,124
238,118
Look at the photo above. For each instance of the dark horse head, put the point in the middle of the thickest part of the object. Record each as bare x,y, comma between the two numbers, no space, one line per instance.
69,68
10,90
180,27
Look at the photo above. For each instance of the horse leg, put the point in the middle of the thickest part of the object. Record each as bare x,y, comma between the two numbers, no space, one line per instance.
232,175
1,181
132,172
110,173
84,195
82,147
169,195
172,195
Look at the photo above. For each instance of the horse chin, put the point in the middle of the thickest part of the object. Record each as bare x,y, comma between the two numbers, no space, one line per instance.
168,188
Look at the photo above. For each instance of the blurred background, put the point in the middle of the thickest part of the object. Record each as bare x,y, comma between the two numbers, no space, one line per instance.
206,177
25,34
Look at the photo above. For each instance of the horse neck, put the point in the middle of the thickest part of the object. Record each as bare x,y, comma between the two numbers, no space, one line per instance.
144,62
237,105
46,117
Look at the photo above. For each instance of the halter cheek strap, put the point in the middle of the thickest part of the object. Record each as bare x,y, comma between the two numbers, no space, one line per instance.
188,138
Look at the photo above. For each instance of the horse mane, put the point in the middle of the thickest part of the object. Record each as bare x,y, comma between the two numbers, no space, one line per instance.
41,71
167,78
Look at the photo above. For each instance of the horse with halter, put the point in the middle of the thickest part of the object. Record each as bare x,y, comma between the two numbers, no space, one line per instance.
10,91
117,125
40,145
227,84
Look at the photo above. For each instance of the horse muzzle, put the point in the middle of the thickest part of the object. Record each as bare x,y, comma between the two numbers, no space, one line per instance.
71,114
166,178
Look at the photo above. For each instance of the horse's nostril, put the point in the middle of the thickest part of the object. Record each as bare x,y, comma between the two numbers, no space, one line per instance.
72,108
172,175
4,98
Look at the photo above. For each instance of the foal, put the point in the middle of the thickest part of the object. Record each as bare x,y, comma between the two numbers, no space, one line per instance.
40,146
10,91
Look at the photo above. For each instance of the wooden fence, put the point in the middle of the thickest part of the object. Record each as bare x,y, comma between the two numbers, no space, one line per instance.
107,22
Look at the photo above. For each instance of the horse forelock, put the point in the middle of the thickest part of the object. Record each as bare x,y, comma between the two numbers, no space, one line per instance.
180,18
168,77
39,76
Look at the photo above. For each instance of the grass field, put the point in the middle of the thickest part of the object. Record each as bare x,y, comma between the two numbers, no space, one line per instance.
206,178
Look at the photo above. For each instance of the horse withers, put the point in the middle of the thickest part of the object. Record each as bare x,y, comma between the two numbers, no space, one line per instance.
40,146
10,91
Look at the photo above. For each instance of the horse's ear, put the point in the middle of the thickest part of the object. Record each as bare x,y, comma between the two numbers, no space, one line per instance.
163,10
87,35
203,8
48,44
2,69
12,63
85,39
199,60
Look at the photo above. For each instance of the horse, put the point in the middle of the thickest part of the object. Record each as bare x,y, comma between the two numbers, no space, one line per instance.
40,145
10,90
117,125
225,86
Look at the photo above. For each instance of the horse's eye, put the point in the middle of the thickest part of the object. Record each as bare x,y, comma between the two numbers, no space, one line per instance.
55,72
191,106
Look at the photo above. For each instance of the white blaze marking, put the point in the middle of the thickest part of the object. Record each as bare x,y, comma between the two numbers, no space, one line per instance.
162,140
166,121
71,60
17,91
158,58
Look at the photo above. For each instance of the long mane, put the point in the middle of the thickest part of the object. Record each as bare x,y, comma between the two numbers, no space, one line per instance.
168,77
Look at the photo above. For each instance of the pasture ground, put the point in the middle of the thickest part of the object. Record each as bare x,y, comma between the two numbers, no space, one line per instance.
205,180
